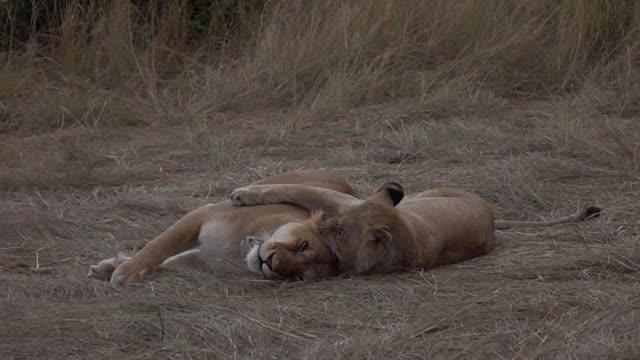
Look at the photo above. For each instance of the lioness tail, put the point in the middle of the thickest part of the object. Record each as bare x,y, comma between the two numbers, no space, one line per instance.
582,215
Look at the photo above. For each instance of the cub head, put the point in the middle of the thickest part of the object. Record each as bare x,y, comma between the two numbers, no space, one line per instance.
294,252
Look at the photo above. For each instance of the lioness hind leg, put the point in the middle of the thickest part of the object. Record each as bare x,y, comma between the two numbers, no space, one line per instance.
189,259
178,238
106,267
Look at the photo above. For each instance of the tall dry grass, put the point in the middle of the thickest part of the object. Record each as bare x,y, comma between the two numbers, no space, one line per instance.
126,64
106,63
351,53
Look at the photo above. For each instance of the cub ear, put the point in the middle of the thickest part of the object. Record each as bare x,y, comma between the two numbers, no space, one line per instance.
391,192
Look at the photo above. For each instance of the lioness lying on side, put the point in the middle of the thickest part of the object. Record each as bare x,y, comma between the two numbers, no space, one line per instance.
381,234
217,231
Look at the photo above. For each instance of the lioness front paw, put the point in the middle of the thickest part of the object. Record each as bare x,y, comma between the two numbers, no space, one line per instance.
105,268
131,271
244,197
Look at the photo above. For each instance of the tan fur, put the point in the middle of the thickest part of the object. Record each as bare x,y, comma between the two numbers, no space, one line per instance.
289,255
215,231
383,234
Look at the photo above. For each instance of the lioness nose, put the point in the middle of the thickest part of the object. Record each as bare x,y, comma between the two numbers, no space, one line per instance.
269,261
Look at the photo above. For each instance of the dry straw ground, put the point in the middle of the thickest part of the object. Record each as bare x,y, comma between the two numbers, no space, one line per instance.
118,125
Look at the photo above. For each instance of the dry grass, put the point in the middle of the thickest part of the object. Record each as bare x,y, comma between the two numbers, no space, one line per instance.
569,292
117,126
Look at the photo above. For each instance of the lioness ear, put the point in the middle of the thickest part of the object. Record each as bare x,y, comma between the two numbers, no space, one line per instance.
328,231
330,227
317,217
382,236
390,192
253,240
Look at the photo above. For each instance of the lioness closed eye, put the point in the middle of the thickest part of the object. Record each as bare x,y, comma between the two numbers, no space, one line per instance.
385,233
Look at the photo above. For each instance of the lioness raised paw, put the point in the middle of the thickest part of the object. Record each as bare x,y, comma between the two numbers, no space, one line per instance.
131,271
105,268
245,196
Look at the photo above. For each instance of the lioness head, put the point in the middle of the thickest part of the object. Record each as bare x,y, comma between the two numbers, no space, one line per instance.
293,252
358,238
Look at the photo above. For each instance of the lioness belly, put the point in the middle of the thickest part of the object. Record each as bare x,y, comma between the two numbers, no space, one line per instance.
455,228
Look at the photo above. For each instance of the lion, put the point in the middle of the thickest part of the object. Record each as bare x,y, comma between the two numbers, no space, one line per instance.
222,230
383,233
